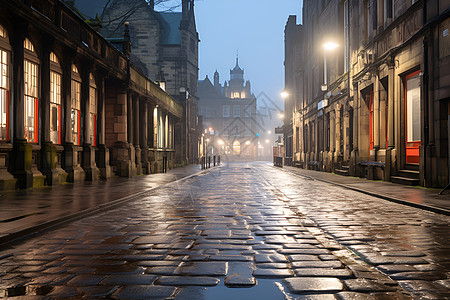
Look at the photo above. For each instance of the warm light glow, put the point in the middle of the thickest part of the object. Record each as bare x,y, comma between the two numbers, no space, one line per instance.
269,132
281,116
247,142
284,94
210,129
220,142
330,46
207,140
267,141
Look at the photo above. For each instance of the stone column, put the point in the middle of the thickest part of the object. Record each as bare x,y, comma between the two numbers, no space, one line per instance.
338,131
130,135
383,118
71,162
143,139
136,143
53,174
102,151
22,151
376,119
332,137
121,150
88,161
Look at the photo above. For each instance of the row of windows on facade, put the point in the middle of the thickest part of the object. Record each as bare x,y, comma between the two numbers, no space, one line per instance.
31,97
226,111
392,10
412,111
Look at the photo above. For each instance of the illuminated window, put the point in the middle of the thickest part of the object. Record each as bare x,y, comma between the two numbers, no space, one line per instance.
92,111
76,106
4,86
55,99
31,79
28,45
235,95
2,32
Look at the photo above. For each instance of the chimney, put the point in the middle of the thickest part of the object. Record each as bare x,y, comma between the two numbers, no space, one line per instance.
126,48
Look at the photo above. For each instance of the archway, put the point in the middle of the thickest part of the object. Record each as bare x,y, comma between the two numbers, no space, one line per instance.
236,148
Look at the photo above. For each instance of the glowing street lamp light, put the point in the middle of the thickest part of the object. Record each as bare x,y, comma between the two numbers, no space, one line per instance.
329,46
284,94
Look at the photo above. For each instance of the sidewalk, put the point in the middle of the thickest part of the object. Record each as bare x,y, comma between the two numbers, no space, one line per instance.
26,212
420,197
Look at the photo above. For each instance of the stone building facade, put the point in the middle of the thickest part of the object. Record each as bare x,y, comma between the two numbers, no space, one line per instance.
370,90
73,107
230,111
164,45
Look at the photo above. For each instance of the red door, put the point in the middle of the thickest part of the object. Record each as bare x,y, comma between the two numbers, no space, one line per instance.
413,128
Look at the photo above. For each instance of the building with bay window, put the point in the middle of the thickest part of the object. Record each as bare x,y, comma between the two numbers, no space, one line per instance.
72,106
369,89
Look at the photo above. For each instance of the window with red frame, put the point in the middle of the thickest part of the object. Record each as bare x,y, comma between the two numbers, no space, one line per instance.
76,106
55,100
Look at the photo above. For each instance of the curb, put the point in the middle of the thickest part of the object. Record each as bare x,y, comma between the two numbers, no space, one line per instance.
7,240
381,196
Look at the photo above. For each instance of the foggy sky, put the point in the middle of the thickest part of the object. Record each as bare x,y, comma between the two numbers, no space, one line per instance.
254,28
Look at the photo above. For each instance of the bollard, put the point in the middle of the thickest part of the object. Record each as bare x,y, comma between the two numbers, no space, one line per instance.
214,161
209,161
218,162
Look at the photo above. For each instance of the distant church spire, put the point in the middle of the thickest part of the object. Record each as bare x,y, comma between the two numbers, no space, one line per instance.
237,58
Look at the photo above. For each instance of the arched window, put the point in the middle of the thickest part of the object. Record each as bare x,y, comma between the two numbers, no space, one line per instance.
31,92
92,110
5,65
55,99
76,106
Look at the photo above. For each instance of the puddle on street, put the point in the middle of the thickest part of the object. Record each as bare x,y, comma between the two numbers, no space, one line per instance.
264,289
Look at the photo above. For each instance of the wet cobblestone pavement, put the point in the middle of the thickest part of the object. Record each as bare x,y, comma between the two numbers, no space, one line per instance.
241,231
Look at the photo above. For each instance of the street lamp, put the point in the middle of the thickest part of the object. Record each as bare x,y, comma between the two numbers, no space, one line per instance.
329,46
284,94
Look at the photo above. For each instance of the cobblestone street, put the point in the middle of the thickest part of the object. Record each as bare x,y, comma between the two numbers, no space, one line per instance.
240,231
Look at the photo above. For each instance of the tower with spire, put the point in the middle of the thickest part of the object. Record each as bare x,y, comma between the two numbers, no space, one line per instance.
236,88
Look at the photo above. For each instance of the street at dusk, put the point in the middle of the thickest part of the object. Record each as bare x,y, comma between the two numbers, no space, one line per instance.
242,231
225,149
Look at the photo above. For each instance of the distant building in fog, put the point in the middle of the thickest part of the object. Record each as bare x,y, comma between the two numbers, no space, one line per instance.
230,111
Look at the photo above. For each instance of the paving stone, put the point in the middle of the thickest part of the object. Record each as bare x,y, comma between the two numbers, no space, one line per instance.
272,266
270,258
142,279
267,247
420,285
391,269
304,251
84,280
221,247
154,239
273,273
157,263
354,296
239,280
144,292
203,268
313,285
162,270
391,296
191,292
61,292
140,257
119,269
317,264
303,257
416,276
187,280
323,272
280,232
366,285
97,291
231,258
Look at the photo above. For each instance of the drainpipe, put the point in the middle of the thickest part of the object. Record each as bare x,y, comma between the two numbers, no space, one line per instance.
425,81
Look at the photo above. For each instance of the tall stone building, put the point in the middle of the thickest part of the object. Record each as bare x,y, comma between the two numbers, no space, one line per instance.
230,111
72,106
164,45
369,86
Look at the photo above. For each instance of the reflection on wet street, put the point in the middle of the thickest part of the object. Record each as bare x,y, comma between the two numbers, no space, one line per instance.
242,231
